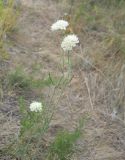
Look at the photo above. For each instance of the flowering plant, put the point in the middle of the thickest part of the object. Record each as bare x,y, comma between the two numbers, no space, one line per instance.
36,106
69,42
59,25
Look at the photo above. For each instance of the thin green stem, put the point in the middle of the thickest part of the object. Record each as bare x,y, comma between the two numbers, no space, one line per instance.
69,66
63,63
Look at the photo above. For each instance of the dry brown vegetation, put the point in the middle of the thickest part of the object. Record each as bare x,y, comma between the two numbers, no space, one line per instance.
97,89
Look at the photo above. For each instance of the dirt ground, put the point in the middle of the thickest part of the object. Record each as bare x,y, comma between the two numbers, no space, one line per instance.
33,44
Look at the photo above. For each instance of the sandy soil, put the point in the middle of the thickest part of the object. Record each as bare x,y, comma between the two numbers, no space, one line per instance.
34,44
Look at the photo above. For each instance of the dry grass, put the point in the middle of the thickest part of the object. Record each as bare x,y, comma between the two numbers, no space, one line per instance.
96,89
8,16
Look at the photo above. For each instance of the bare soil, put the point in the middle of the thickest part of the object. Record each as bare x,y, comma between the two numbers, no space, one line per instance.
89,93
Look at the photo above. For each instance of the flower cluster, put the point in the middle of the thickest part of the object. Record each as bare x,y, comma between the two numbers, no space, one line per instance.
36,106
59,25
69,42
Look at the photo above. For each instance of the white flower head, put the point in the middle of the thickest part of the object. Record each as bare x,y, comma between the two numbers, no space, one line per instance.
59,25
36,106
69,42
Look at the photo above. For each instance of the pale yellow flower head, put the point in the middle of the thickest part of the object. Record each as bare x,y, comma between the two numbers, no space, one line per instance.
69,42
59,25
36,106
